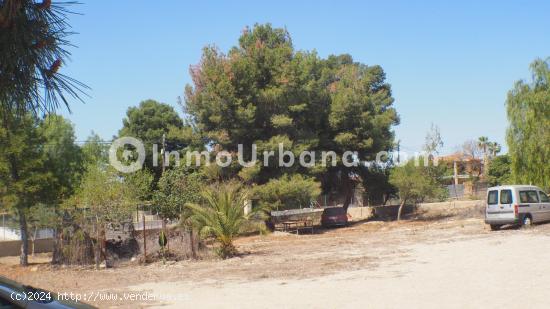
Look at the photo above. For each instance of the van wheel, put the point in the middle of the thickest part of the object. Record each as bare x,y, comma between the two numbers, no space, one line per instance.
495,227
527,221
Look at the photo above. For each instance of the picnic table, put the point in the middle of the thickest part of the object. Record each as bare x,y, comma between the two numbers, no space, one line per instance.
296,225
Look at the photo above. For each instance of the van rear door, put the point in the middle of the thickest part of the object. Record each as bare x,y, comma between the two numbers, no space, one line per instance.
500,205
506,205
492,202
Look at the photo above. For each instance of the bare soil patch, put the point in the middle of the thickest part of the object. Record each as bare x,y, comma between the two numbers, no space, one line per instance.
371,249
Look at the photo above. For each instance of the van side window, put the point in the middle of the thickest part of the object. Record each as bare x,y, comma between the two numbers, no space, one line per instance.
533,197
506,196
523,198
528,197
543,197
492,197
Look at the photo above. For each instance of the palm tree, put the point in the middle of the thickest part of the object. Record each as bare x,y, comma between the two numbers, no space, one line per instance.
33,47
494,148
222,215
483,143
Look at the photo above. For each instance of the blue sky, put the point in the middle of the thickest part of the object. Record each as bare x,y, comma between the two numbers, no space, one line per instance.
449,62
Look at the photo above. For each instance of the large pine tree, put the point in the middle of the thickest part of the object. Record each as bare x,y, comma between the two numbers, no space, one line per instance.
264,92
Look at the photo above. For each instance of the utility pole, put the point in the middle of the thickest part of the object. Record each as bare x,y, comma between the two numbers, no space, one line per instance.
163,152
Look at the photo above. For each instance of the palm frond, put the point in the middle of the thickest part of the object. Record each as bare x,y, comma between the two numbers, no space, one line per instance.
221,215
33,46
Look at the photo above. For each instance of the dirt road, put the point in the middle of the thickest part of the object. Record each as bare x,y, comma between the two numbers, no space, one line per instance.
472,273
442,259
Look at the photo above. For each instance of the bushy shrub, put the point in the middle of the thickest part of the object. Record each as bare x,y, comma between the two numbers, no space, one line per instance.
176,188
288,192
499,172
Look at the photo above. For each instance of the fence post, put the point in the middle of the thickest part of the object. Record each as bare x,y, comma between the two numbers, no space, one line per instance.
144,240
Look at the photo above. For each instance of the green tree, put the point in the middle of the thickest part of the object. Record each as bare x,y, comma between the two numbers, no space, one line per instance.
33,38
64,159
149,122
483,145
23,173
140,184
40,216
176,188
64,162
33,41
264,92
41,165
288,192
222,215
378,189
94,151
528,109
494,149
413,183
499,171
103,197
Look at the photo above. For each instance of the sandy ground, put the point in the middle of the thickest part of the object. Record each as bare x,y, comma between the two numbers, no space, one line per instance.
445,257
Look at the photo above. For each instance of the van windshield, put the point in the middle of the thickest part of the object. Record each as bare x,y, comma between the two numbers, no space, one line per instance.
492,197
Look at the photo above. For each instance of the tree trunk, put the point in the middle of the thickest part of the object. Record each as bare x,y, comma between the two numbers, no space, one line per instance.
386,198
32,241
103,247
400,210
56,255
24,258
193,244
349,188
97,256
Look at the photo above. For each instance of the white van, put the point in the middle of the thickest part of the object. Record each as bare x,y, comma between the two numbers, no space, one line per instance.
517,204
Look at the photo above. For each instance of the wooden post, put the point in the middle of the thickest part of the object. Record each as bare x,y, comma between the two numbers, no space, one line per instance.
144,240
167,233
98,245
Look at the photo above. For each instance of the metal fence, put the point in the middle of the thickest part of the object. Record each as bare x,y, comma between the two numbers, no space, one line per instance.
476,190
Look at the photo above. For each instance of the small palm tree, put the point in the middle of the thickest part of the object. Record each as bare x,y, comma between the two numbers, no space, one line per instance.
222,215
494,148
483,144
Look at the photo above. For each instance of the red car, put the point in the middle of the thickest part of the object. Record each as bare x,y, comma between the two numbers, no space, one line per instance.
334,216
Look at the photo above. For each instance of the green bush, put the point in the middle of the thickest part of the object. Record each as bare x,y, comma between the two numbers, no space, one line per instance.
176,188
288,192
499,171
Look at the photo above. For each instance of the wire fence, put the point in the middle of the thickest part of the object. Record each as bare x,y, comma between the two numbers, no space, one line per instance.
137,238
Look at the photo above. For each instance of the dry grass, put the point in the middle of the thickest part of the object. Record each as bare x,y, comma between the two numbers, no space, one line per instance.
275,256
